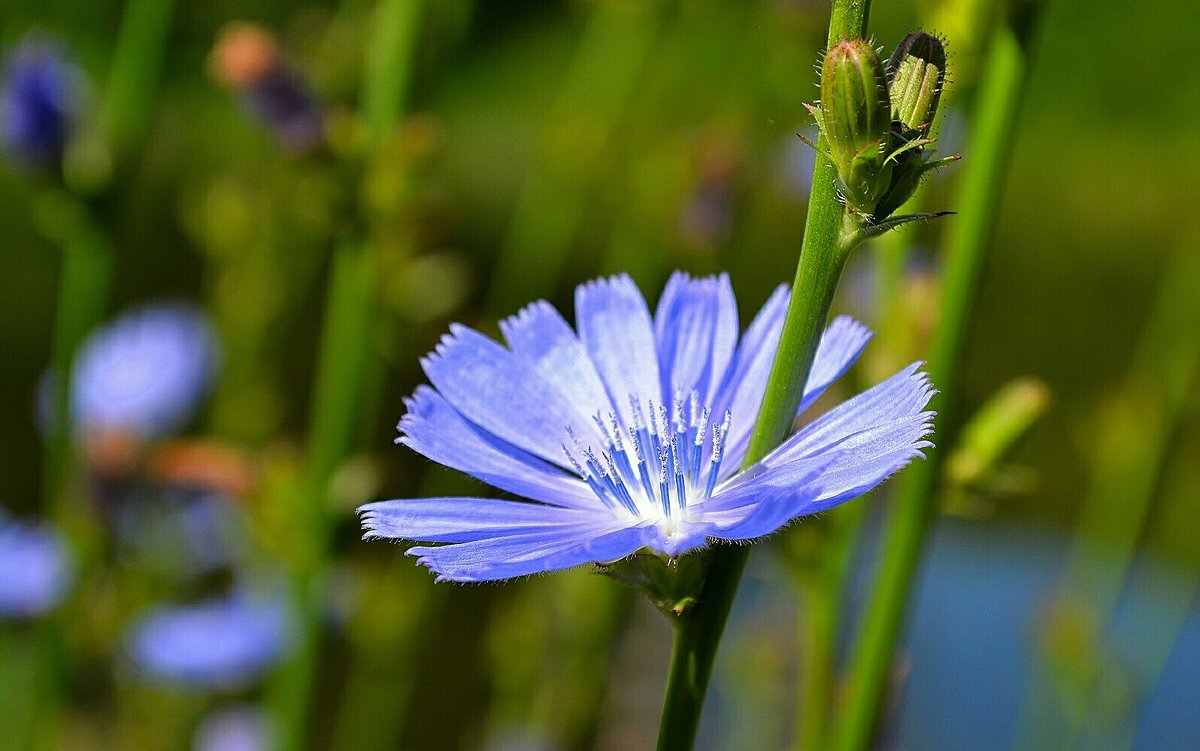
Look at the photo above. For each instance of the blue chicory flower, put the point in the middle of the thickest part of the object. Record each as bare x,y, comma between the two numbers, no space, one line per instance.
39,93
146,372
242,727
630,434
214,644
35,568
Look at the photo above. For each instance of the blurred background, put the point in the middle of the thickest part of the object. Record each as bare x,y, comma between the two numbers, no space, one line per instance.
230,229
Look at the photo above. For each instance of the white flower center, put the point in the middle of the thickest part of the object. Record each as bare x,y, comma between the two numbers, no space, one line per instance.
656,473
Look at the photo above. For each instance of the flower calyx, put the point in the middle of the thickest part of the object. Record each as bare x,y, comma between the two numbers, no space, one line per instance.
671,583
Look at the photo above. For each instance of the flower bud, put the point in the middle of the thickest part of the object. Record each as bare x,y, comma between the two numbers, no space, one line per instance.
857,119
39,102
247,59
918,71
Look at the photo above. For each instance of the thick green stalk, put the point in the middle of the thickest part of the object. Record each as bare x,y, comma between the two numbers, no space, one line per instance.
914,502
822,257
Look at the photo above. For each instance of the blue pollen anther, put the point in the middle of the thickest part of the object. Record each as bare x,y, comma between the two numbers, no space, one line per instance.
587,478
664,488
622,490
659,461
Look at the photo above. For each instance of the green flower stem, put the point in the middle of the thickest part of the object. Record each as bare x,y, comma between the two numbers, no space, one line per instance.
820,591
342,360
816,649
388,71
995,116
822,258
16,697
82,293
133,76
84,282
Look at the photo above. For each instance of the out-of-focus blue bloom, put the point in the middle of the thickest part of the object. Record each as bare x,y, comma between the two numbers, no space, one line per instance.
236,728
35,568
215,644
798,162
631,434
39,94
247,58
281,101
146,372
181,533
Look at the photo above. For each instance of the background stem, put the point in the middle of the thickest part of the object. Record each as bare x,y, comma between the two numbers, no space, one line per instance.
133,76
82,294
343,365
983,177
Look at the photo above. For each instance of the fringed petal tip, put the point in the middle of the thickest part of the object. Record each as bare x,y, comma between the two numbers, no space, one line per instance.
368,519
527,315
850,328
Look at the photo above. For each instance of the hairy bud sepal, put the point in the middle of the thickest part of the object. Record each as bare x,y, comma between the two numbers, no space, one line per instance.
917,71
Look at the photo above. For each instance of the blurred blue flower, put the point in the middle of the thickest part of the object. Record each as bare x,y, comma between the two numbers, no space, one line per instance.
630,435
35,568
216,644
798,162
146,372
181,533
247,58
39,92
240,727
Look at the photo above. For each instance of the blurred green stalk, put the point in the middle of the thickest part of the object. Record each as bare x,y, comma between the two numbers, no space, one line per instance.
84,283
342,366
82,293
387,75
1131,448
28,695
822,258
1173,600
87,255
616,45
914,502
133,75
342,360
